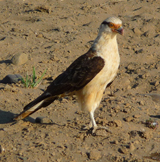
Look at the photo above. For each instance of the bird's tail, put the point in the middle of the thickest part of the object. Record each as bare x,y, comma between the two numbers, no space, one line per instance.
42,101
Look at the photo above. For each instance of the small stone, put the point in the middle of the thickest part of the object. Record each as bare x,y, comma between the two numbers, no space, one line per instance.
131,147
39,35
139,51
112,124
95,155
147,34
128,119
19,59
14,30
1,149
133,134
146,135
129,87
123,150
56,41
146,75
2,38
80,136
115,142
118,123
46,9
127,104
131,67
59,160
137,31
141,103
143,76
11,78
54,58
137,116
136,142
156,83
43,120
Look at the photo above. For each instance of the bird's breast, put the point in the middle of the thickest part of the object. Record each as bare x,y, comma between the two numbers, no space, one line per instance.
106,75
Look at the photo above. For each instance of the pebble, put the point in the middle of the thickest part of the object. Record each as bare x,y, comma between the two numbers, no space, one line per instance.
133,134
147,34
137,116
118,123
43,120
39,35
95,155
1,149
14,30
19,59
139,51
141,103
46,9
131,67
11,78
156,83
131,147
146,135
144,76
115,142
123,150
137,31
128,119
2,38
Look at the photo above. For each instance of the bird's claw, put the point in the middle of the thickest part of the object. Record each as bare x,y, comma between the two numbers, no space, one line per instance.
95,128
100,127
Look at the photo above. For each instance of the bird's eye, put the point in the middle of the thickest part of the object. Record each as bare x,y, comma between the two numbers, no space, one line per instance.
111,25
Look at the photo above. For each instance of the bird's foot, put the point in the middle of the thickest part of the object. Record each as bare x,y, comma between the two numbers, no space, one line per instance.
95,128
89,126
100,127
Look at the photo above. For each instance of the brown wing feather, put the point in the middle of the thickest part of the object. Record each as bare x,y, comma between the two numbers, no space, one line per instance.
77,75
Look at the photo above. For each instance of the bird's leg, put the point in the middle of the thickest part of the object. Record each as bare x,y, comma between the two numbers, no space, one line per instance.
94,125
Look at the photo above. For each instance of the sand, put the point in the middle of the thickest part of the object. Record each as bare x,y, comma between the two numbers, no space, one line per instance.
53,34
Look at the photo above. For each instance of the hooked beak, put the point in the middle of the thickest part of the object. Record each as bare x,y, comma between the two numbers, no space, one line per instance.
120,30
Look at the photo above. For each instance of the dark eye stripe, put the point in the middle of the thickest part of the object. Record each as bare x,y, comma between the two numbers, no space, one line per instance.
105,23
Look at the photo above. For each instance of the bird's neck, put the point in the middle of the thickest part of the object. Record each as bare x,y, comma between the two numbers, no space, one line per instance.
105,42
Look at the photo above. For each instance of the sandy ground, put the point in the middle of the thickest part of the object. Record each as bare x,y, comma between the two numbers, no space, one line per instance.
54,33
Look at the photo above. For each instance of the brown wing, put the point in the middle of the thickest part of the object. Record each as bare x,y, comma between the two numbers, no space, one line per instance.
77,75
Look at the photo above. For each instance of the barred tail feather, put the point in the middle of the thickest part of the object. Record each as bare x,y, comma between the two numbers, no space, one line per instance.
42,101
28,111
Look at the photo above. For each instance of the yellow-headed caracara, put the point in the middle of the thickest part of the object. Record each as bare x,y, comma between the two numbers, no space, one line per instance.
88,76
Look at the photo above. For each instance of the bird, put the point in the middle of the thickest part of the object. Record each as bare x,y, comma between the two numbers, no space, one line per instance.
88,76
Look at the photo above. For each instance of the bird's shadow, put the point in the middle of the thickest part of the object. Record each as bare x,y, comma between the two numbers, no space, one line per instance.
5,61
155,116
7,117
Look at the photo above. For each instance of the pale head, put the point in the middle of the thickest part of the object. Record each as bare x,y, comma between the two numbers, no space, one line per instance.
111,25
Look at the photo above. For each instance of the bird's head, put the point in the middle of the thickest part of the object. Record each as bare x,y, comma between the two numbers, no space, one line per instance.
112,25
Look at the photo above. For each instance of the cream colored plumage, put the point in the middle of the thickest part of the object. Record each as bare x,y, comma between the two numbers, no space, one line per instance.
107,48
88,76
